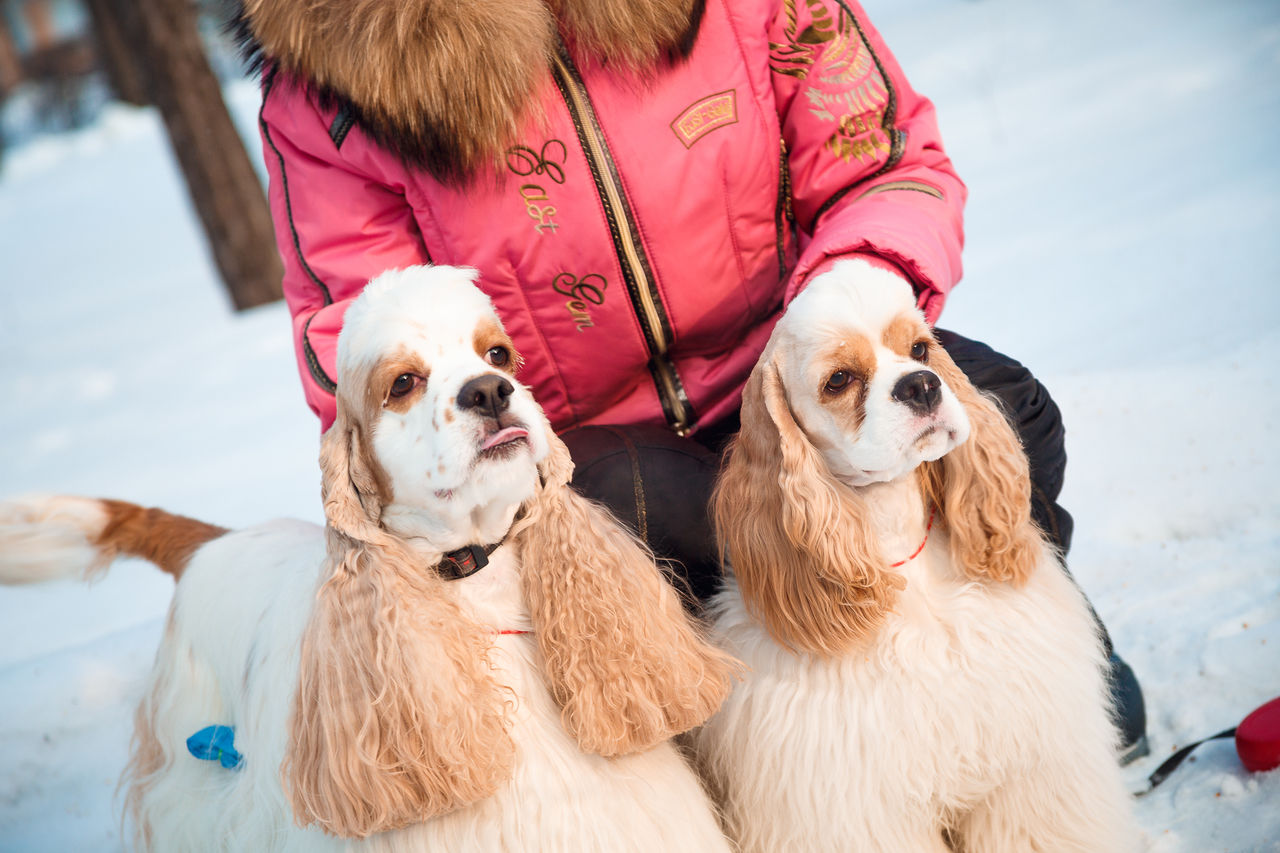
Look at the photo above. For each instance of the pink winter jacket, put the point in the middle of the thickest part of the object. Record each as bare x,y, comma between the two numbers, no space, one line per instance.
640,238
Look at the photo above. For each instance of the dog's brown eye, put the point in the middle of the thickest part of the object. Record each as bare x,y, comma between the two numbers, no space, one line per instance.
920,351
404,383
498,356
838,381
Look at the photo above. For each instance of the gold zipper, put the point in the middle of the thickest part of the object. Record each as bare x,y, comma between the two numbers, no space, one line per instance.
675,403
783,214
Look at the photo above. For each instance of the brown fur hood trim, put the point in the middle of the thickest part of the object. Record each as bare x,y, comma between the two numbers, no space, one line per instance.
447,85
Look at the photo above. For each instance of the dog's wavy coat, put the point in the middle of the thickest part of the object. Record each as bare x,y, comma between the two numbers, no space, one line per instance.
923,675
380,705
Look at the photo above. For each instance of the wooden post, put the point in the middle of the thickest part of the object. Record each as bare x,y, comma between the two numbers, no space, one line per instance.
224,188
10,64
39,23
118,61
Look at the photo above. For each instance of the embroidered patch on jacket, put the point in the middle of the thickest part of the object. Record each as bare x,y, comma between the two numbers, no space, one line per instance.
705,116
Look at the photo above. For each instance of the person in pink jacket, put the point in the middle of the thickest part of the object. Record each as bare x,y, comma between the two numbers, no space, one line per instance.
643,185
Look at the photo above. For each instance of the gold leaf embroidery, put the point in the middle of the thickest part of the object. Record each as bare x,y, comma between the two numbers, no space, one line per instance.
845,87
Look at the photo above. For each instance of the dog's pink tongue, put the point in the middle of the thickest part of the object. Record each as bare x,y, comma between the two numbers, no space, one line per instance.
503,436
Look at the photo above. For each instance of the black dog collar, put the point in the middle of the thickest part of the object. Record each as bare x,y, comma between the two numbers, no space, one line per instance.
465,562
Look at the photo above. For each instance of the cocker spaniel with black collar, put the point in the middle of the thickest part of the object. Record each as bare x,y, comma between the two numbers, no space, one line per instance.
468,656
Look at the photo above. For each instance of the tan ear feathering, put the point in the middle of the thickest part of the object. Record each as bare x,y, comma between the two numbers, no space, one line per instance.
983,488
623,661
397,716
799,543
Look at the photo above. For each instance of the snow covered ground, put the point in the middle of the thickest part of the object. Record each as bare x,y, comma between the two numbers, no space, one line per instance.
1123,241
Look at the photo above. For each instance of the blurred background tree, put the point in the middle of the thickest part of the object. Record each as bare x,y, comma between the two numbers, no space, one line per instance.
151,53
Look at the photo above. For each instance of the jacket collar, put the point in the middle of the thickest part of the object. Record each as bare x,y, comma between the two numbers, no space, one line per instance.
448,86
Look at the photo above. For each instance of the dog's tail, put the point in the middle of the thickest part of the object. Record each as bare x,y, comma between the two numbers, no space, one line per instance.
44,538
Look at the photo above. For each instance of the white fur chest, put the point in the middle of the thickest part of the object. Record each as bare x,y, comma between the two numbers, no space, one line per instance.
894,739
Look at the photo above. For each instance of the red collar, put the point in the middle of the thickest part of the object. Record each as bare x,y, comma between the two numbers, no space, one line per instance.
916,553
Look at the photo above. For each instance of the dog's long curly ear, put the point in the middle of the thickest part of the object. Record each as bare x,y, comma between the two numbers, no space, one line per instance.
623,661
983,488
800,545
349,480
397,717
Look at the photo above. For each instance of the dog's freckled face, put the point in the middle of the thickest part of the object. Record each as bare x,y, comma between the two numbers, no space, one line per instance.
860,386
448,426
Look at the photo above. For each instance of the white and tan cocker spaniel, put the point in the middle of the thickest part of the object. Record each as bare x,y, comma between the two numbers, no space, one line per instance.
387,689
922,674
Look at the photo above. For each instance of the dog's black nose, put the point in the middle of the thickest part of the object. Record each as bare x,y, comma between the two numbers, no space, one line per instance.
921,391
489,395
